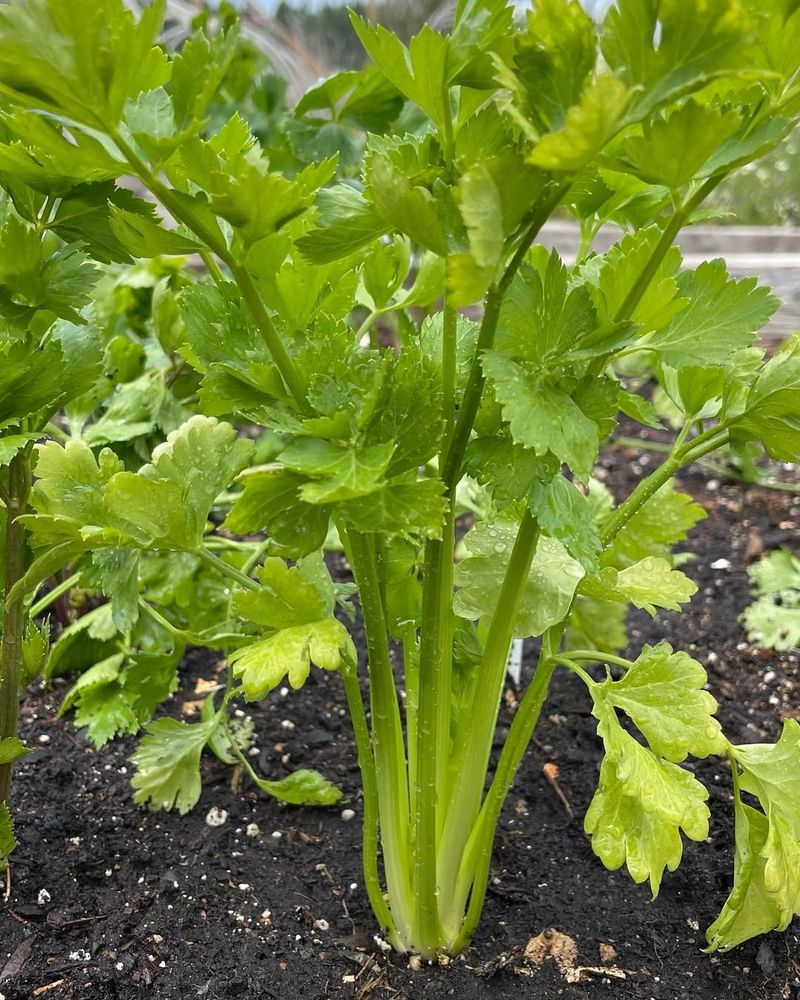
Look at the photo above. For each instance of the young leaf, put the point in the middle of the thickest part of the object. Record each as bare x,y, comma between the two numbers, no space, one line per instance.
338,473
11,749
167,764
541,416
80,62
587,128
641,805
563,512
346,223
771,409
663,693
115,572
773,619
262,665
553,59
751,908
772,772
285,598
302,788
142,236
673,48
271,501
672,150
419,72
664,520
721,316
649,583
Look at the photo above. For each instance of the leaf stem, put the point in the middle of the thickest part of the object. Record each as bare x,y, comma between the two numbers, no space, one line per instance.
644,490
593,655
366,763
19,486
53,595
474,869
454,460
226,569
586,677
180,210
472,755
387,735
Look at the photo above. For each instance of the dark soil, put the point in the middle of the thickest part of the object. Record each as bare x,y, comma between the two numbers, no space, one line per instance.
153,904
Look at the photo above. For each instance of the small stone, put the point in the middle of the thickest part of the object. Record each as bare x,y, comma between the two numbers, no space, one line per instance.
384,946
276,834
415,963
44,738
253,830
321,925
244,886
348,814
287,724
157,939
43,898
721,564
216,816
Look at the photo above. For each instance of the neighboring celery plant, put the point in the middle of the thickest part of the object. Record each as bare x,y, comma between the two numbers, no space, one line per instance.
501,125
48,358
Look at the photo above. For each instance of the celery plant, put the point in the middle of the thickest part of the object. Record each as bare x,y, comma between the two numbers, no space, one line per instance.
501,126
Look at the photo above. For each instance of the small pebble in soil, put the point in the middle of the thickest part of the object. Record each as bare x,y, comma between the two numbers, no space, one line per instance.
216,816
244,886
44,738
348,814
384,946
287,724
321,925
253,830
721,564
43,898
277,834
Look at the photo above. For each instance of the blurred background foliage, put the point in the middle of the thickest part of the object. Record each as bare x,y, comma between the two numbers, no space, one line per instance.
288,46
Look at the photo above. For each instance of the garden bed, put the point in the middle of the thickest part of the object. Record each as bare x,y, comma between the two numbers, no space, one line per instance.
110,901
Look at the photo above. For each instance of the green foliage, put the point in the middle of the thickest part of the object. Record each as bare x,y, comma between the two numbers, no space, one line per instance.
8,841
549,588
167,763
642,804
773,619
766,888
341,238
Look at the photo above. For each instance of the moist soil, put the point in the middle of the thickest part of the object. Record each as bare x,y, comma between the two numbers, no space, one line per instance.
111,901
